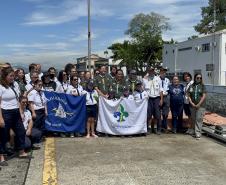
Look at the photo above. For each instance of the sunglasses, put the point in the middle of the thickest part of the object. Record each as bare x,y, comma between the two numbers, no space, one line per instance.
75,80
198,77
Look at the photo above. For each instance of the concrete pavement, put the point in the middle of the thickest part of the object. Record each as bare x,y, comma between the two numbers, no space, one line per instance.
166,159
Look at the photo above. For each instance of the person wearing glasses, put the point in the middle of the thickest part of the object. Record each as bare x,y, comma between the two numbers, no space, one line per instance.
197,97
62,82
37,106
33,135
76,90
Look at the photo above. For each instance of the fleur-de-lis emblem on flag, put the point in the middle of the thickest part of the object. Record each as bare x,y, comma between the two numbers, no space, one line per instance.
121,114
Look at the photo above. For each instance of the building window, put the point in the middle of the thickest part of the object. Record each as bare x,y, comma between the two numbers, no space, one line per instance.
173,50
184,49
206,47
166,52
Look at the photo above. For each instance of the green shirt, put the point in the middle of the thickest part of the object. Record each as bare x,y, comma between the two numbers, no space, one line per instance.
103,83
118,87
196,92
131,84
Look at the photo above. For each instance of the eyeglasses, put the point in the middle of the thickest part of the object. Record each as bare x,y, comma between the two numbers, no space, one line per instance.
24,102
198,78
75,80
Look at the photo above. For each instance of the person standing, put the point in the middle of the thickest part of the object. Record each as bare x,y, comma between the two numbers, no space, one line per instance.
118,84
37,106
132,80
20,79
187,83
197,97
166,98
91,109
62,82
176,92
102,83
9,114
153,85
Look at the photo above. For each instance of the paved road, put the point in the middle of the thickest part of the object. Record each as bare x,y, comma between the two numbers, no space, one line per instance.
166,159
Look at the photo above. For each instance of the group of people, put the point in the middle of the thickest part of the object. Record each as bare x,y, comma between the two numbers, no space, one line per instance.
24,105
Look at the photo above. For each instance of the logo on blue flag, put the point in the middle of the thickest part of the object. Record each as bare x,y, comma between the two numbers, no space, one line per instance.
66,113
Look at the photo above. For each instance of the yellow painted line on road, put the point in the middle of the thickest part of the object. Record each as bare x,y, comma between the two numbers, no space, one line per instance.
50,170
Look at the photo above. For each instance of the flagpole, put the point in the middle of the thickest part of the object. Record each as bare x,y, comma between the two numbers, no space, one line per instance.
89,37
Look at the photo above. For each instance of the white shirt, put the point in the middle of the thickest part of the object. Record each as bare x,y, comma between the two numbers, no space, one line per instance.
28,87
72,90
130,97
91,97
9,98
153,87
25,118
165,85
186,87
62,88
140,95
28,77
39,100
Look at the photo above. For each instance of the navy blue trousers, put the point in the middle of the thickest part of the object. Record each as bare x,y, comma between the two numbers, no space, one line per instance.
177,116
13,121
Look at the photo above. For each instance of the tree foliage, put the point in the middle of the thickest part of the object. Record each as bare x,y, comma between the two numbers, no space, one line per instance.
145,46
207,24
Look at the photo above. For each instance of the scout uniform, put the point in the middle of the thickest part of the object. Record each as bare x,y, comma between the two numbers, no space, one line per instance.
196,92
153,85
118,87
103,83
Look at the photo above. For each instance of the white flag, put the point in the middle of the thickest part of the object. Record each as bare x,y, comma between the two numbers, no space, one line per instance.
122,117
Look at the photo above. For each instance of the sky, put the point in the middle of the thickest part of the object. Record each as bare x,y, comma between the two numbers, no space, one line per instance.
54,32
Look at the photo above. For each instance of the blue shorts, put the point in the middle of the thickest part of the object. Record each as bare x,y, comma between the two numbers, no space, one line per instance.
91,111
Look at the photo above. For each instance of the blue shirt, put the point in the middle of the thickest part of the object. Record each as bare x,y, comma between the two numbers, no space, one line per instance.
176,94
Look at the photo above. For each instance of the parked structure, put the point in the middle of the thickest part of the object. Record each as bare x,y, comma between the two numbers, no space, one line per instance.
206,54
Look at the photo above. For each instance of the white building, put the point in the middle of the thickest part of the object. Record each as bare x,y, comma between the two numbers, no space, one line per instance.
206,54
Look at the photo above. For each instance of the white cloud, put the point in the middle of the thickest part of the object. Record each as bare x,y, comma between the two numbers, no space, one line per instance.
41,46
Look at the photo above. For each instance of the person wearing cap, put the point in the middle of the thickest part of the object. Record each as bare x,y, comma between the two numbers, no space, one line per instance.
91,109
166,98
118,84
102,82
139,92
153,85
131,81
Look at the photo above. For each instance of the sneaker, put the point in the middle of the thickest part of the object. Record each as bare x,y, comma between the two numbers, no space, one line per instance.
3,163
197,137
72,135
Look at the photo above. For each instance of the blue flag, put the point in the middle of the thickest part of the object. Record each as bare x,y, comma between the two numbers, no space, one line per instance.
66,113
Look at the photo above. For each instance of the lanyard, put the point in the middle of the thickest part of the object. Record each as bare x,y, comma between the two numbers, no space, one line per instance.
40,95
196,92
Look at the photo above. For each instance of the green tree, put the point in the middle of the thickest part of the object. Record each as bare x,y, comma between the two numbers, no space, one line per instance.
145,46
207,24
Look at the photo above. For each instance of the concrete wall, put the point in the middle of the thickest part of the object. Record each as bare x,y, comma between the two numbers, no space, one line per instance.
216,99
193,59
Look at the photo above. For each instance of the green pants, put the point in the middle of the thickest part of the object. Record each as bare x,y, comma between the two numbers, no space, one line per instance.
197,119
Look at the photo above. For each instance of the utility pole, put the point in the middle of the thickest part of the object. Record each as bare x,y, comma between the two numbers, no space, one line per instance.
214,41
89,37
